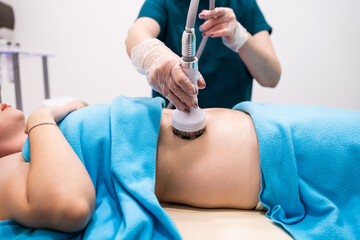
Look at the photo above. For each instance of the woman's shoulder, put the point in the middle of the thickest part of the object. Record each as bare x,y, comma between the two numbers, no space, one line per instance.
10,159
13,174
9,163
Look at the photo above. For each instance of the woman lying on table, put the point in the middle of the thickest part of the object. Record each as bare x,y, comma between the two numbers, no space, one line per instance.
220,169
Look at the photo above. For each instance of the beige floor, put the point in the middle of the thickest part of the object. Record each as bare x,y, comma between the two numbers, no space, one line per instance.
195,223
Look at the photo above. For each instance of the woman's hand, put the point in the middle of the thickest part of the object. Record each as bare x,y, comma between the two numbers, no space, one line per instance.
59,114
53,114
221,22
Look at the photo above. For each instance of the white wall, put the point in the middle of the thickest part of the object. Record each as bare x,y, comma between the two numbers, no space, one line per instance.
317,42
86,38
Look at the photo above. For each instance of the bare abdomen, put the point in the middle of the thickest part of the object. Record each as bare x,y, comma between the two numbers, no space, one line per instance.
219,169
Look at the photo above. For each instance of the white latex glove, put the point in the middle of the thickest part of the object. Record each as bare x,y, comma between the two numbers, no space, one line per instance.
221,22
164,74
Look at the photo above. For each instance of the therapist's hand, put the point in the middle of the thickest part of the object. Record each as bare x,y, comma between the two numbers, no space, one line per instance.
221,22
164,74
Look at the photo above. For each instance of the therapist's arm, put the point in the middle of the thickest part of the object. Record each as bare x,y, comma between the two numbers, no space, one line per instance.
143,29
160,64
259,57
256,51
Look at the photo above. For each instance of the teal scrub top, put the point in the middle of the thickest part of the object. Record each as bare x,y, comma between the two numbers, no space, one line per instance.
228,81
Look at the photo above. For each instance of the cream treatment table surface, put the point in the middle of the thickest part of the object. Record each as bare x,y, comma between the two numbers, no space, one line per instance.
224,224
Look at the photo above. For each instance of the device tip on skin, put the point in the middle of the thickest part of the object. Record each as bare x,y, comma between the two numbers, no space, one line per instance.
189,125
188,135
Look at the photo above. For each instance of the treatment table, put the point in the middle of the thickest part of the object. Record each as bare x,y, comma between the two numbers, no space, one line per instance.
198,223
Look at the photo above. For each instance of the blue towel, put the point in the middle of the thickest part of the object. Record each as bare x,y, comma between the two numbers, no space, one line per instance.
310,169
117,144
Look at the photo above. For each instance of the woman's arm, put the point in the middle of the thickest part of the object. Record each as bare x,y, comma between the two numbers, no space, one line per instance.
57,192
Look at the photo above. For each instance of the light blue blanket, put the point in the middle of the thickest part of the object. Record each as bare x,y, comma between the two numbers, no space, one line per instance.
117,144
310,169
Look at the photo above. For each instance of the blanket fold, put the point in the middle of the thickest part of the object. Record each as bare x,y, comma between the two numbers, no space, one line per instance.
310,168
117,144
